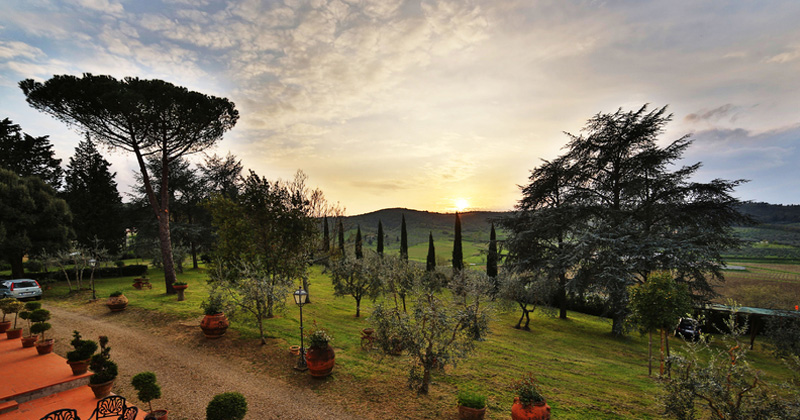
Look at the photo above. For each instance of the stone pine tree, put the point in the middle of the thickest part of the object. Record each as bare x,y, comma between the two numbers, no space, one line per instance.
341,239
359,246
458,253
91,192
430,264
491,260
143,117
403,239
26,155
380,238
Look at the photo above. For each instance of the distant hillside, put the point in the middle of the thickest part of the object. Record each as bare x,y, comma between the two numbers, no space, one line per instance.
772,213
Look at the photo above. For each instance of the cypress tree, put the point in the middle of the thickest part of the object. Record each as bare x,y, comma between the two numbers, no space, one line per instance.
458,254
326,237
491,261
341,238
359,244
403,239
380,238
431,263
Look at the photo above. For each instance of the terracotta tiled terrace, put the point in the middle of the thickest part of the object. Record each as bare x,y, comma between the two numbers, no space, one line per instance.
32,385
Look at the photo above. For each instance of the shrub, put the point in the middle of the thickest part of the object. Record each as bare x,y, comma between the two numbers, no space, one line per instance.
471,400
146,387
84,349
527,390
318,337
115,294
213,306
227,406
119,263
39,318
104,369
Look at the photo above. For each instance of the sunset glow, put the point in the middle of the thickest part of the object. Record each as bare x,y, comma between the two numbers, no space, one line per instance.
461,204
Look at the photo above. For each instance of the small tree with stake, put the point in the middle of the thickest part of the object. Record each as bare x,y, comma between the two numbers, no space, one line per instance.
358,278
147,389
40,324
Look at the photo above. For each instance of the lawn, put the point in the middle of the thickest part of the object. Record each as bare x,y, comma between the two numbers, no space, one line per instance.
584,372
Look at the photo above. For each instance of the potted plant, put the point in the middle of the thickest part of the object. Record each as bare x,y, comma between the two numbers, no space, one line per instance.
320,355
105,370
4,325
40,325
147,390
30,307
14,308
471,406
214,323
180,287
227,406
117,301
529,404
78,359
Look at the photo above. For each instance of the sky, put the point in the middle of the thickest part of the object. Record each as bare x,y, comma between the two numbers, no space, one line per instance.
434,105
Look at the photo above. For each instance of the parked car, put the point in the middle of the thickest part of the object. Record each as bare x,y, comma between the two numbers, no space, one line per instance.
20,289
688,328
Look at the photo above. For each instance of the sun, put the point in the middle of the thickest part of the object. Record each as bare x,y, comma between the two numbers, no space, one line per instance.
461,204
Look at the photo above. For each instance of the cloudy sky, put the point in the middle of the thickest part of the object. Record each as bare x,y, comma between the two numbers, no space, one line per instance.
432,104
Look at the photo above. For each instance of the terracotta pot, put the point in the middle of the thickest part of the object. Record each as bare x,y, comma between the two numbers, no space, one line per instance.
467,413
368,331
14,333
29,341
157,415
80,367
320,361
4,325
537,411
214,326
45,346
117,303
295,350
101,390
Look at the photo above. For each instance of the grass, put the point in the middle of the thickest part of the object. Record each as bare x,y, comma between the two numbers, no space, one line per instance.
584,372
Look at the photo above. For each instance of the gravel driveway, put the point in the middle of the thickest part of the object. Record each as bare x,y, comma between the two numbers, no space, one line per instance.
189,375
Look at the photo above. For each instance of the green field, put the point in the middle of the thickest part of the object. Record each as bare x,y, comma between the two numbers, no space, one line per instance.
584,371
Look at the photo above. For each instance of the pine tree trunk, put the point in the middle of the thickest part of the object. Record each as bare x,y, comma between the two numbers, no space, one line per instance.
194,256
650,354
562,296
166,253
17,268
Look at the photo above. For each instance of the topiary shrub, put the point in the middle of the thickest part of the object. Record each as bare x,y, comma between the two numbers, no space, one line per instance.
104,369
84,349
227,406
146,387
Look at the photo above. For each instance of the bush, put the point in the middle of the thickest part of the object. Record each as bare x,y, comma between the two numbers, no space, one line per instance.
527,390
84,349
104,369
115,294
471,400
227,406
119,263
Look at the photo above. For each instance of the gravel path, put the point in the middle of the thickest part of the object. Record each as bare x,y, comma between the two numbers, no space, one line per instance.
189,375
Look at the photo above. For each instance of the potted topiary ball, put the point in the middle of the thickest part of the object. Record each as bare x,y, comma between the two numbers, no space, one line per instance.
78,359
117,301
529,404
147,390
14,308
40,325
5,325
105,371
227,406
471,406
26,315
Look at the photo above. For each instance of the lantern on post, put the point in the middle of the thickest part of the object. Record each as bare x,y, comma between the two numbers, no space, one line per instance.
300,298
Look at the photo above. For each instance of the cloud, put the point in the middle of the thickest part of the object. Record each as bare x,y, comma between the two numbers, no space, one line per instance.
785,57
713,114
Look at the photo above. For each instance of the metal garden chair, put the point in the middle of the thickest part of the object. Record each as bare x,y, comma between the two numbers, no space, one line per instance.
111,407
62,414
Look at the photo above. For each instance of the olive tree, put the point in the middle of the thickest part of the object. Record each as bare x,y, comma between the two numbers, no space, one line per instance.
441,328
143,117
357,277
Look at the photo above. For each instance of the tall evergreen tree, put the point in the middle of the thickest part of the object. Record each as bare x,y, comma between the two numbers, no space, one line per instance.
341,238
403,239
91,192
26,155
458,253
326,237
431,261
491,260
380,238
359,247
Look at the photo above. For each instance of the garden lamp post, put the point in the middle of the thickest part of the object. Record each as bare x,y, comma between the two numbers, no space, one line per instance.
300,297
92,262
